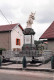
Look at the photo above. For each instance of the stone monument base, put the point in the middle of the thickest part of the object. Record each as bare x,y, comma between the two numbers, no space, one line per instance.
29,47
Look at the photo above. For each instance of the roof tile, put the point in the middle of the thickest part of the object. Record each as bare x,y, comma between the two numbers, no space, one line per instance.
9,27
49,33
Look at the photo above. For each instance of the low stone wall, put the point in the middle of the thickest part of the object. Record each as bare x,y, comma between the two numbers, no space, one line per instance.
16,55
27,53
47,54
9,54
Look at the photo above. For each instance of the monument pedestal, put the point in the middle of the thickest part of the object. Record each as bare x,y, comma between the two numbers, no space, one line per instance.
29,39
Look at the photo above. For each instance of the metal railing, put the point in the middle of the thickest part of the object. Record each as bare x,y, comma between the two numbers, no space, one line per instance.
36,53
27,53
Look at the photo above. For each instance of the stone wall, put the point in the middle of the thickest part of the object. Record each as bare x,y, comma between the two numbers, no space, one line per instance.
47,54
17,55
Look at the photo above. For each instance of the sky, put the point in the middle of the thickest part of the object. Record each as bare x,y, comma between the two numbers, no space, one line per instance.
18,11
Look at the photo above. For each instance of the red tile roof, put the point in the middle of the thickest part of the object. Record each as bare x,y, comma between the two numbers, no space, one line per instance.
9,27
49,33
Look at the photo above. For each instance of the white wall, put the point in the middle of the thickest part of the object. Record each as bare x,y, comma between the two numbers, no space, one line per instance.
16,33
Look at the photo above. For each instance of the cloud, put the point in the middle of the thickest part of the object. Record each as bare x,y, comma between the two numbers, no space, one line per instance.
7,12
11,10
44,10
40,29
45,14
18,11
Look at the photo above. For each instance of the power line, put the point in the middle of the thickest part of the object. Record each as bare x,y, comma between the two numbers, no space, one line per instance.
4,16
7,19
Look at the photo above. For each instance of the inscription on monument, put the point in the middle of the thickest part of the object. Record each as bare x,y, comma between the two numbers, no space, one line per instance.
27,39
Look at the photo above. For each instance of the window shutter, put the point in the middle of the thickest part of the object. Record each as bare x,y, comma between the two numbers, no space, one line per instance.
19,41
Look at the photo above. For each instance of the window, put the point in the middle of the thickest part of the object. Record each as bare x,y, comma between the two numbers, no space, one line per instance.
17,41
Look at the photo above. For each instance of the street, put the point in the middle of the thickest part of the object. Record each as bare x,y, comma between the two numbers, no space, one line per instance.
20,77
23,75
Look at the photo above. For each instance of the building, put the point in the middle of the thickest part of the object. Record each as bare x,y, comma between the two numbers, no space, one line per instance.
11,37
49,35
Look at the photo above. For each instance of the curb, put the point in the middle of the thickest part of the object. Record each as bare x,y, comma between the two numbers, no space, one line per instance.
27,69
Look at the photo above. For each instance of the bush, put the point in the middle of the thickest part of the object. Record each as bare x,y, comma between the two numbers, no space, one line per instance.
2,49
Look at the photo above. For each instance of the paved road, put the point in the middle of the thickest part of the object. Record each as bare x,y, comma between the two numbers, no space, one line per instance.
21,75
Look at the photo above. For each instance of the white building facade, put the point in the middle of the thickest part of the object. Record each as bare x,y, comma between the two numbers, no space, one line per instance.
17,38
11,37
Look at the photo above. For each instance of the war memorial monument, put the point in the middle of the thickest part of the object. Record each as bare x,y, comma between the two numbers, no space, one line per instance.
29,34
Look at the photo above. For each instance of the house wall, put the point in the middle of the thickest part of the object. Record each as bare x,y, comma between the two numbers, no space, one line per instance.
51,45
5,40
16,33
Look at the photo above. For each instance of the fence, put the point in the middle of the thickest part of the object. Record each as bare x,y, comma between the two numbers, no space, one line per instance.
30,53
9,54
16,55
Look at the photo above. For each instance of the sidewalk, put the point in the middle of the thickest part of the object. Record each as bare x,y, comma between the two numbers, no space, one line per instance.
30,67
26,73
